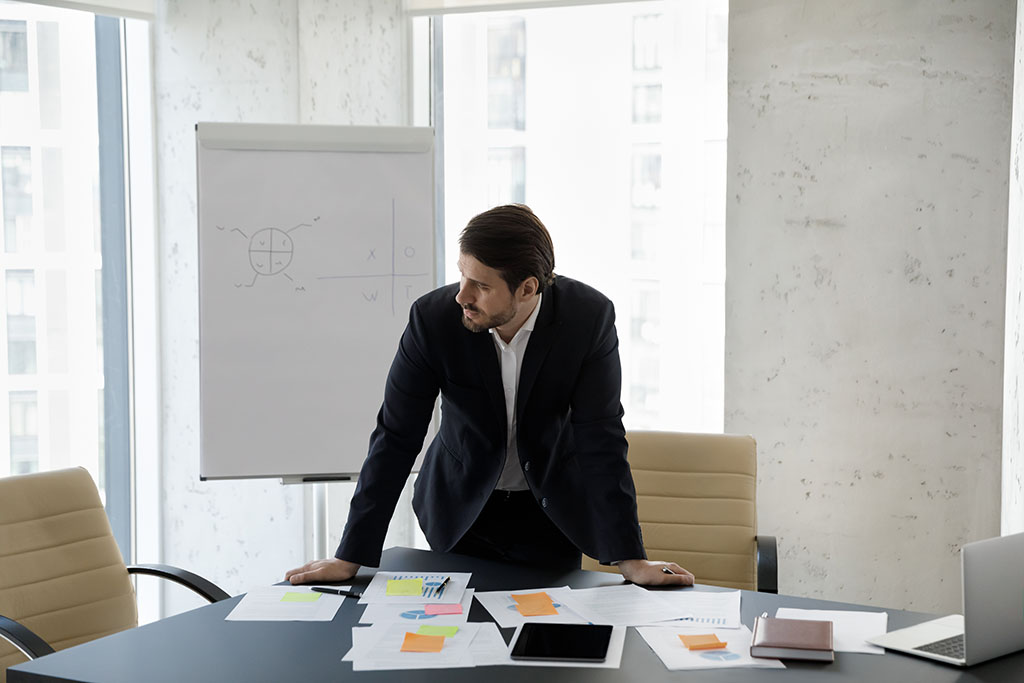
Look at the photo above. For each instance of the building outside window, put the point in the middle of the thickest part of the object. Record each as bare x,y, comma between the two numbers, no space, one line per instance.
621,152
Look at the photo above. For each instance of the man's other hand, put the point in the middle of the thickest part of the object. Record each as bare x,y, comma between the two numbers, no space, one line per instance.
322,571
647,573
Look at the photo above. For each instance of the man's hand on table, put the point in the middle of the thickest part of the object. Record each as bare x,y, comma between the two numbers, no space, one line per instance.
647,573
322,571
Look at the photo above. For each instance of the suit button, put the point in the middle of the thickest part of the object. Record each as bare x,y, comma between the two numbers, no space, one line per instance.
526,467
543,502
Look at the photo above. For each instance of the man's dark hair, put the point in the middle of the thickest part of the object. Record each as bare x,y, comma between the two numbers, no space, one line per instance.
512,240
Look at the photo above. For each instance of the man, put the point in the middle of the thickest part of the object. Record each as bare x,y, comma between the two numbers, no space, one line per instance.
529,463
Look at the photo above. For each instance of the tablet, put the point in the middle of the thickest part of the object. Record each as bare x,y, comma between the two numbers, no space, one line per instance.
563,642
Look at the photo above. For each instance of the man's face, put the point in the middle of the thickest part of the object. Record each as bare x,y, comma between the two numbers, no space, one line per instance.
485,298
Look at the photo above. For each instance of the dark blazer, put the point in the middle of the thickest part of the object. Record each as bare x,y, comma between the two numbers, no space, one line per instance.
571,442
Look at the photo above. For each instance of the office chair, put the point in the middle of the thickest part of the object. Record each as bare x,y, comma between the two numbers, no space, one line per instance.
62,579
696,501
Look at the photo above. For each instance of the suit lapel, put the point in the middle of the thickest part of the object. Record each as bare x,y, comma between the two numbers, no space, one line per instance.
543,336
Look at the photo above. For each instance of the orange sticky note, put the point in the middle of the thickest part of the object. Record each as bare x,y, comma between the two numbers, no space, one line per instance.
534,604
702,642
417,642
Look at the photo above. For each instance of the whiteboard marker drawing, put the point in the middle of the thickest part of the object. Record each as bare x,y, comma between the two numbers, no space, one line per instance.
270,251
371,295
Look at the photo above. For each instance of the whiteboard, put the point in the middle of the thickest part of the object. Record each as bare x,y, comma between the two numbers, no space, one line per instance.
313,242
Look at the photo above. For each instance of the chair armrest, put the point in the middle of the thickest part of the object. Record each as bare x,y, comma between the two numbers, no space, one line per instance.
194,582
23,638
767,565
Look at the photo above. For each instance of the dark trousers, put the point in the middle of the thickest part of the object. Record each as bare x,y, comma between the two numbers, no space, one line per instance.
513,528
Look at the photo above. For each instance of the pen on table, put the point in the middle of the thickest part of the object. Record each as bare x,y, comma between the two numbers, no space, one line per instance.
440,588
336,591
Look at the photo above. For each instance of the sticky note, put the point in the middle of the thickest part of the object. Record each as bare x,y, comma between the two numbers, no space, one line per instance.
446,631
404,587
534,604
707,641
416,642
443,609
300,597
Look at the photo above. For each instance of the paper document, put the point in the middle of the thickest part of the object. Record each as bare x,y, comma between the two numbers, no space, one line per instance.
850,629
487,648
504,609
411,588
379,648
665,642
621,605
285,603
378,612
719,609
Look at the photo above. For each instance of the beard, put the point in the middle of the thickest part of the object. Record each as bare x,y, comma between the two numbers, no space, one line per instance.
490,322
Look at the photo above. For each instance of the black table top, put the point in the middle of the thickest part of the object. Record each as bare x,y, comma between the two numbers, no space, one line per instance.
200,645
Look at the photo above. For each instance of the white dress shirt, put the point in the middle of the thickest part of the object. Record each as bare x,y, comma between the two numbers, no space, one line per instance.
510,358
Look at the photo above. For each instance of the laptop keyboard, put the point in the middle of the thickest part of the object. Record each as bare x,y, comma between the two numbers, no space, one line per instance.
947,647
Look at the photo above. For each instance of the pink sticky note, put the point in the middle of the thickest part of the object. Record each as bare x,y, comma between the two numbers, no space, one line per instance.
443,609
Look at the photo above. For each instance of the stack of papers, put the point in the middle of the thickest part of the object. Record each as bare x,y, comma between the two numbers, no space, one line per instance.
419,613
411,588
622,605
506,610
673,651
717,609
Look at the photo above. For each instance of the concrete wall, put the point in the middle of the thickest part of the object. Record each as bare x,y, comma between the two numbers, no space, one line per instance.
866,252
1013,379
285,61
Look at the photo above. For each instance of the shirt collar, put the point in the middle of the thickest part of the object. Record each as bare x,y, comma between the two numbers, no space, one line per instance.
527,326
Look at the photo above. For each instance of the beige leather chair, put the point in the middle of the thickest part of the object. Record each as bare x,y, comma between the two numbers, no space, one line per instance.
62,579
697,504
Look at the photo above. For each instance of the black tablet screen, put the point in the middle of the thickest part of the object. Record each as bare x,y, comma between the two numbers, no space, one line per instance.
567,642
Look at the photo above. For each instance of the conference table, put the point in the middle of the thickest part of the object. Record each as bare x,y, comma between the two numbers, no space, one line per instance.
200,645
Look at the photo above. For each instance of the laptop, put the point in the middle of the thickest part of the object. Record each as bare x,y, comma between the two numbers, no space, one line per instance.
993,604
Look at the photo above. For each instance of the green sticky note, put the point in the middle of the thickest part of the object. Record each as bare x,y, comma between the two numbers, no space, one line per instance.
300,597
405,587
446,631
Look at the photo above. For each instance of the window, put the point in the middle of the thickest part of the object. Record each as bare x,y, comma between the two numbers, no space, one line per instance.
16,182
647,103
24,422
621,153
506,175
506,74
64,242
647,41
13,55
21,322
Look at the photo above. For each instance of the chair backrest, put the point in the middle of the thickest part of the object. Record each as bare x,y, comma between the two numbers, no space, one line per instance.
61,572
696,501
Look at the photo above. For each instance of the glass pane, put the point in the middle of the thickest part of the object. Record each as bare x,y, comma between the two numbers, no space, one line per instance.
622,155
24,421
506,73
49,166
13,55
16,184
21,322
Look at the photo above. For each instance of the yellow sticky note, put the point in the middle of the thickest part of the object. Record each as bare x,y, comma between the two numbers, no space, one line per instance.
404,587
707,641
415,642
534,604
447,631
300,597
